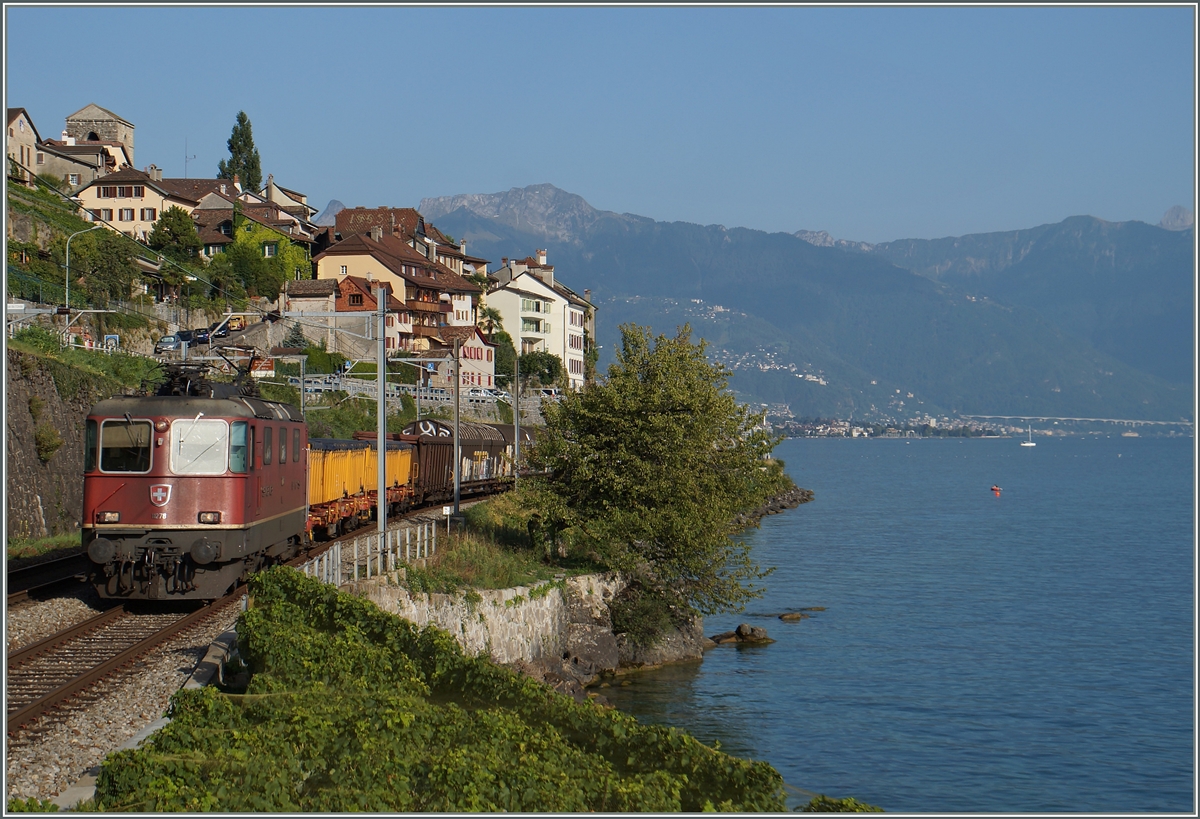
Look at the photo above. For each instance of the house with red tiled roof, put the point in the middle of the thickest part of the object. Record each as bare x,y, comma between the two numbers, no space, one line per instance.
476,356
434,296
78,163
352,331
408,225
131,201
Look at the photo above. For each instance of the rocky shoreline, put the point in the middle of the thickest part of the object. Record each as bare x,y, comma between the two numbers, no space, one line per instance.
595,655
789,499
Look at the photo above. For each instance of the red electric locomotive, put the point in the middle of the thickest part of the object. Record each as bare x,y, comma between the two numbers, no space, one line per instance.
189,490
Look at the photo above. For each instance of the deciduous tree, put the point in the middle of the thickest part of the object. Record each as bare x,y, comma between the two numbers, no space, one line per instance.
648,467
175,236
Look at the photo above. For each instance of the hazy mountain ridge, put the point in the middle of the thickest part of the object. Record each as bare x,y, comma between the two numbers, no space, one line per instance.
1126,287
873,332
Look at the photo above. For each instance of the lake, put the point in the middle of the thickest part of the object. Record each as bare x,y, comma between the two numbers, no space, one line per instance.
1031,651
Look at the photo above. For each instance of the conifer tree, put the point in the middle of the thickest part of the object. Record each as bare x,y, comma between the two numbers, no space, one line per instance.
243,156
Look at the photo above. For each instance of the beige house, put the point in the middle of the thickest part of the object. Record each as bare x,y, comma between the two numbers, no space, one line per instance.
130,201
22,145
433,295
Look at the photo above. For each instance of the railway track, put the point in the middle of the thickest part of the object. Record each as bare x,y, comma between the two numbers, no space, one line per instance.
40,578
47,674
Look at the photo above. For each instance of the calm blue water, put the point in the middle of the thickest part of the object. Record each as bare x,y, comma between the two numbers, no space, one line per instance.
1028,652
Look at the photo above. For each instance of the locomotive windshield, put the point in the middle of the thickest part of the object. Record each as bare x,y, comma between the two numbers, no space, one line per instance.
125,446
199,446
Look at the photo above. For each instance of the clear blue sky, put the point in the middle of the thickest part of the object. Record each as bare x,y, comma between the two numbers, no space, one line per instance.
871,123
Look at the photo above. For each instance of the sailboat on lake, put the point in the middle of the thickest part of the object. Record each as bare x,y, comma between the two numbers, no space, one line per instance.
1030,441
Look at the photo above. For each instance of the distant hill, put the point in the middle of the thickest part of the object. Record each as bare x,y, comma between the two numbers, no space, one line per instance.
827,330
1127,288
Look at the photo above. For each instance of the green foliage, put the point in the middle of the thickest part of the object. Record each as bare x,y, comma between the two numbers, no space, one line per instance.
546,367
77,371
46,440
506,357
174,235
826,804
353,709
648,468
18,548
295,337
244,162
32,805
473,561
641,615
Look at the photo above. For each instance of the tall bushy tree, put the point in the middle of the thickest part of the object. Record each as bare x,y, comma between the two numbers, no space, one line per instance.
175,236
648,468
243,156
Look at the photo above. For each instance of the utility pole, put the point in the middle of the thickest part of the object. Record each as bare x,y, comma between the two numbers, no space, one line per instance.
516,415
457,451
381,411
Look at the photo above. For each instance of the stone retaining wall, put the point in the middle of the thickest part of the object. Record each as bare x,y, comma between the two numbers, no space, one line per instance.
524,623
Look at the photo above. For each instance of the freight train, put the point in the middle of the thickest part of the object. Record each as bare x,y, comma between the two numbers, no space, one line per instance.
188,491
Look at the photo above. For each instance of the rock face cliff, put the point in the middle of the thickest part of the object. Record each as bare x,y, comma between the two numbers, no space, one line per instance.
47,404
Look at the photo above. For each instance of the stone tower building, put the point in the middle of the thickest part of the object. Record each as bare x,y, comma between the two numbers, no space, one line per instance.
93,123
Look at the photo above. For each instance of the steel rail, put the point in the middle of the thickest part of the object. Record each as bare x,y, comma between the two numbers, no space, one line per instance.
25,715
28,578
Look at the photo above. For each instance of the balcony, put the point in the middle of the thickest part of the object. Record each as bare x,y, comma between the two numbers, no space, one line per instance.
424,306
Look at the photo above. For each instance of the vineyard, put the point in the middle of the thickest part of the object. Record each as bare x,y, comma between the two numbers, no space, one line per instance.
349,708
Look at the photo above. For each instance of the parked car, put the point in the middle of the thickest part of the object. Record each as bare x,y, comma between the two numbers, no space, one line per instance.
200,335
553,393
185,335
218,330
166,344
478,392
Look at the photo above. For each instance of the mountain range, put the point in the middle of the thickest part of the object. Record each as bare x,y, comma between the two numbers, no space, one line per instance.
1081,318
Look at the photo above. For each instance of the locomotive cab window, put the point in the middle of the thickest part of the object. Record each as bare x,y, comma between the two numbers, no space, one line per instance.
125,446
295,444
268,444
89,446
237,447
199,446
282,446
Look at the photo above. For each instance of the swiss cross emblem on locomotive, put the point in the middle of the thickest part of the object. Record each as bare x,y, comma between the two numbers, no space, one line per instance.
160,494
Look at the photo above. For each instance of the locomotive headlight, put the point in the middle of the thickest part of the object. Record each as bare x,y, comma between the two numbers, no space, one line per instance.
161,426
108,517
210,517
101,550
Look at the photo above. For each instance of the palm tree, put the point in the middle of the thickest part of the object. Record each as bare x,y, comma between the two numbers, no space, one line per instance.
489,317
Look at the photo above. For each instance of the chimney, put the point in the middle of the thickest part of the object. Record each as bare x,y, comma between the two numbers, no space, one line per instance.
587,296
237,186
432,251
377,233
504,261
462,246
222,187
541,257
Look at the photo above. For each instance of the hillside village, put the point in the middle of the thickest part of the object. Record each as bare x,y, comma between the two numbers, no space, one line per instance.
437,294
